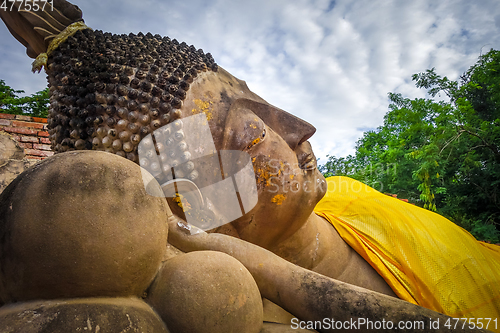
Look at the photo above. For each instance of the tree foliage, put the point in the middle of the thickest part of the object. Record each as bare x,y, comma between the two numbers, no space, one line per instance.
443,156
35,105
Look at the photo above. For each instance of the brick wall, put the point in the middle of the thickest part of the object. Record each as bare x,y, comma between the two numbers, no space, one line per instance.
396,196
30,133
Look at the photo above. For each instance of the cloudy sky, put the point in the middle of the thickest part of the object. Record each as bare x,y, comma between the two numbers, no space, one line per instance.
330,62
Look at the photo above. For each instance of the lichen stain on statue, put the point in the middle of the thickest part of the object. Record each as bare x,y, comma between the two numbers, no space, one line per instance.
204,106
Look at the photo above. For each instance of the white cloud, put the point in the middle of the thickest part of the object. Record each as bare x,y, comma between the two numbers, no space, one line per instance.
329,62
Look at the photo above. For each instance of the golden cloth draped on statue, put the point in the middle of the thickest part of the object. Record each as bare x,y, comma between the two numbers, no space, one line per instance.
425,258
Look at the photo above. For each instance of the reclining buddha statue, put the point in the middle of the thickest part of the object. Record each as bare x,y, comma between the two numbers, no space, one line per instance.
155,141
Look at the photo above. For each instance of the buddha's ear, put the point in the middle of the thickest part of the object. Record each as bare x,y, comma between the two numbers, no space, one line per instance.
183,196
187,203
36,29
180,188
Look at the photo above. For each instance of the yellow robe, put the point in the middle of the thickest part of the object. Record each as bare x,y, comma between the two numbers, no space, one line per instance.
425,258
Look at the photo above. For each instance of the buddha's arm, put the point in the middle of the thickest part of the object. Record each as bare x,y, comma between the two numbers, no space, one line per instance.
308,295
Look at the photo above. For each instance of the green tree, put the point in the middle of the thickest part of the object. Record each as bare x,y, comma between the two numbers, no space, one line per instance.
443,156
35,105
343,166
473,180
400,156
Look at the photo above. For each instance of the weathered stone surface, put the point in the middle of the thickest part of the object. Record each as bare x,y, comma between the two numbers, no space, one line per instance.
206,292
9,171
9,149
275,314
12,161
108,315
80,224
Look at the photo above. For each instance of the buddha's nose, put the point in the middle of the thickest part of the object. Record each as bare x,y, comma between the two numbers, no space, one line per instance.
291,128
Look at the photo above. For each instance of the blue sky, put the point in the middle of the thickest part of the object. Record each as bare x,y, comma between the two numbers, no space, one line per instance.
331,63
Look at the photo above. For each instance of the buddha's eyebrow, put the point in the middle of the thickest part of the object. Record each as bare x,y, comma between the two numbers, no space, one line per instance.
291,128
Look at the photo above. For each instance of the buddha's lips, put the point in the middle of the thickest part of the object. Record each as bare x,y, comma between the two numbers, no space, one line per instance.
306,159
308,162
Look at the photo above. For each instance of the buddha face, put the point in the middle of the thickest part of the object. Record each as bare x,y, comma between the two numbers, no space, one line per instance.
288,182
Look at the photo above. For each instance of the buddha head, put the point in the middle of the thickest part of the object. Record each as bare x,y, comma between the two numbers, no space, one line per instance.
283,166
144,97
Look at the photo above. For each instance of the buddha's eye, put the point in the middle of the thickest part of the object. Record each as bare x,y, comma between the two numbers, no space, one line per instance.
257,140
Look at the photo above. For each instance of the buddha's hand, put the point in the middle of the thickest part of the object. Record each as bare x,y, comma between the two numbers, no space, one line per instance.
186,237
